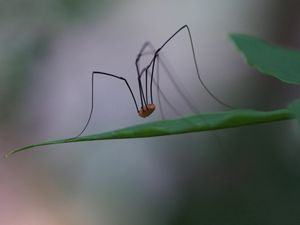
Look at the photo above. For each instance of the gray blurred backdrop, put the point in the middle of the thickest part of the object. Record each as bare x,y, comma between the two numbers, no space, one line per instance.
48,49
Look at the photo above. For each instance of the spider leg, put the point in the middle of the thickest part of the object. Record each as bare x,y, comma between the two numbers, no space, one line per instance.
195,63
160,93
163,63
144,100
92,101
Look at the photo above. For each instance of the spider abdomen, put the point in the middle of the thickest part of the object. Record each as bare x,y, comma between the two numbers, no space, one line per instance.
146,110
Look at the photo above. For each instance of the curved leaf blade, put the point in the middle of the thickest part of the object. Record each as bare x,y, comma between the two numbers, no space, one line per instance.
194,123
280,62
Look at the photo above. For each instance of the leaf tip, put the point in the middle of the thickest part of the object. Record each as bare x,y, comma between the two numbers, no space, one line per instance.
234,36
8,154
12,152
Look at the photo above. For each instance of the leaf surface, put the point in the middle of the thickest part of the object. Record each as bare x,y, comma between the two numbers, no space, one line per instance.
194,123
280,62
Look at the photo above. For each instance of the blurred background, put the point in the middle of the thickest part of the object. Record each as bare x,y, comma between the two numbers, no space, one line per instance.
48,49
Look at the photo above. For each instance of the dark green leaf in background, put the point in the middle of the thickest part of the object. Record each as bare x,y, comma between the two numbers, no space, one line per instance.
277,61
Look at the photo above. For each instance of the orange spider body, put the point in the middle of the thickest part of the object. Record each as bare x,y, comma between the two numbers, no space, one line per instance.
146,110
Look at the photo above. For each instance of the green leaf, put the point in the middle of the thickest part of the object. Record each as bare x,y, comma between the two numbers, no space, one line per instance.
277,61
194,123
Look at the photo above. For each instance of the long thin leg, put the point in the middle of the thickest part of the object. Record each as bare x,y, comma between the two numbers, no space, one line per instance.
151,80
146,86
144,100
160,62
145,71
195,62
158,89
219,142
160,93
169,74
156,82
92,106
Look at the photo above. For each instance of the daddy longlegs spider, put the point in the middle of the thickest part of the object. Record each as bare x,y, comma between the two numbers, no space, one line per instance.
147,106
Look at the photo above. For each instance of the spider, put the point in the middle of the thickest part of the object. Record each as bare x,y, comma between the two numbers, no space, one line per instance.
145,78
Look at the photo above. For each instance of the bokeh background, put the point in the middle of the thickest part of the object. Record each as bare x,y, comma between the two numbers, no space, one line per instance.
48,49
